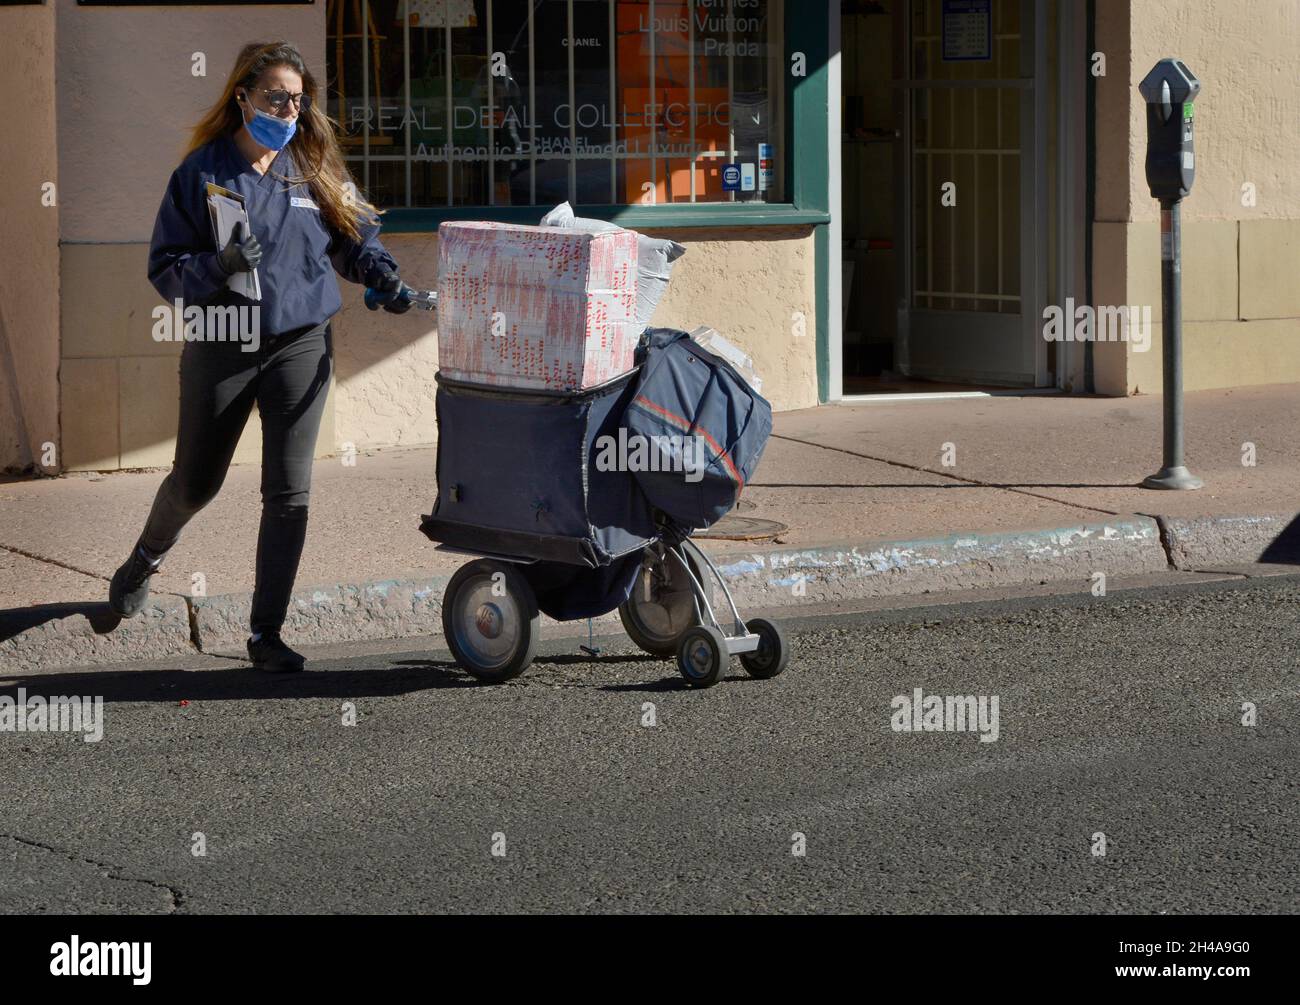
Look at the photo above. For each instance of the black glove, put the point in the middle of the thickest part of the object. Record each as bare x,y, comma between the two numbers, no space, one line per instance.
397,294
239,255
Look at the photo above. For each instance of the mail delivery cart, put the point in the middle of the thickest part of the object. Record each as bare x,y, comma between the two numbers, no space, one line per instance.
556,532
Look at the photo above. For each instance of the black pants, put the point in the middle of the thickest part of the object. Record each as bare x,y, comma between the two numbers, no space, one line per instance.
287,377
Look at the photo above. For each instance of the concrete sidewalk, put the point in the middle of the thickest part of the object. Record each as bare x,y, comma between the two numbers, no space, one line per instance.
1043,488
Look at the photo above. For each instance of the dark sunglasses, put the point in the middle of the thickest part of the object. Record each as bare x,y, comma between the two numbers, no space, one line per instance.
276,98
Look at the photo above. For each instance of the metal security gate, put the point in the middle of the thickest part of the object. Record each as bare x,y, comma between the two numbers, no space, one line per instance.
974,211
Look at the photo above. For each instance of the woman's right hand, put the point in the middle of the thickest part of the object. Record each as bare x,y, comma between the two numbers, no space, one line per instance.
392,294
240,254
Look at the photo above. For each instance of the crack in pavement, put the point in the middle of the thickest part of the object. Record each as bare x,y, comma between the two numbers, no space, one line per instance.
942,474
110,871
79,571
54,561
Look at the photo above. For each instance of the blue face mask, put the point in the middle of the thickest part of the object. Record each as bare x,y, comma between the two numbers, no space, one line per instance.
271,131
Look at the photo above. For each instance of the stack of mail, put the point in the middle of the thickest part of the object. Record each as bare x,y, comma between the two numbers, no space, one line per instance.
225,209
535,307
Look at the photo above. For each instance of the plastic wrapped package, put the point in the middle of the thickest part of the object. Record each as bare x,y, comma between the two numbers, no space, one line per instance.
655,257
535,307
740,360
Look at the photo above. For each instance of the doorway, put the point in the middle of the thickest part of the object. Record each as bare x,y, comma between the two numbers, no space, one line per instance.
951,194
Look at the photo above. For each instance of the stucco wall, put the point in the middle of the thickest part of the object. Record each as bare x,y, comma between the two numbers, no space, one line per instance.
384,363
127,98
1240,300
753,286
1247,56
29,273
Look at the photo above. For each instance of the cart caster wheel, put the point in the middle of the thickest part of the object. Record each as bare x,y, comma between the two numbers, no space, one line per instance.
490,620
772,654
662,604
702,655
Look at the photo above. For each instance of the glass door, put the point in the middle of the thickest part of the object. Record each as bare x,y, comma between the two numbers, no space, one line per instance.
973,279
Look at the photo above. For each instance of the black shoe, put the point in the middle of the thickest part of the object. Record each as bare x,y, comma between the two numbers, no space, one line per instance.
269,653
129,588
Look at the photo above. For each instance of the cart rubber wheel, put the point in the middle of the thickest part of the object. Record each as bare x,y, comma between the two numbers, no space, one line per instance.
490,620
772,654
656,624
702,655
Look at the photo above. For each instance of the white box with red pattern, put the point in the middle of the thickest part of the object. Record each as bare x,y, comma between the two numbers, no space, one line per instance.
535,307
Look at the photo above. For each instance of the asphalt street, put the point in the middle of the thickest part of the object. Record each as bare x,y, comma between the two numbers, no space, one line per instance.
1119,729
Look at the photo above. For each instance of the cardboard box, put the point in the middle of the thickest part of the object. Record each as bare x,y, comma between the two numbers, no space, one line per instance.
535,307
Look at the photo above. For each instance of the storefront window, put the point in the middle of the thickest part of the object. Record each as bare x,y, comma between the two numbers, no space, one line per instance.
532,102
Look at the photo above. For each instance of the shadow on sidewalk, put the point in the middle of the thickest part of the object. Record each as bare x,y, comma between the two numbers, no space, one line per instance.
16,620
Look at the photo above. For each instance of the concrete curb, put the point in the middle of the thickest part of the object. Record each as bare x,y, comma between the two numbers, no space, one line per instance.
84,634
773,578
68,635
387,609
769,577
1212,541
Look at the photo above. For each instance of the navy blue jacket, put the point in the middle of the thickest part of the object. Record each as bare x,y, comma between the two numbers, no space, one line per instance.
300,251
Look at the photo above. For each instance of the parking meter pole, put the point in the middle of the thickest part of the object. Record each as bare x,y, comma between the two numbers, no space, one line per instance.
1169,90
1171,306
1173,474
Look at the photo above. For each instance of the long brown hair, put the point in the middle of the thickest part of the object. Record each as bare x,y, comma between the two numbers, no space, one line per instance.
315,144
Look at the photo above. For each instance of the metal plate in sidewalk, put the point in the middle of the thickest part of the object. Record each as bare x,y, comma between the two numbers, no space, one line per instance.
742,528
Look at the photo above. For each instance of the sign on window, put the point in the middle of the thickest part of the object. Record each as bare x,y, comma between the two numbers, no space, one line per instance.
967,30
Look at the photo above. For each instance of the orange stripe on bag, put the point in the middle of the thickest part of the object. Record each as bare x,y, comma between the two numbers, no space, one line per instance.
683,424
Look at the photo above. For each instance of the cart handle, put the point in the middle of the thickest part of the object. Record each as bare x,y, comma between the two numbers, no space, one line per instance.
427,300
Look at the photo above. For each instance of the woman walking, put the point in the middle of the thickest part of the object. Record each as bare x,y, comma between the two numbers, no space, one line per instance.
266,139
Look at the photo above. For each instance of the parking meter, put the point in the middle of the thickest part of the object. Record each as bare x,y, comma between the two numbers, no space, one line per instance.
1169,90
